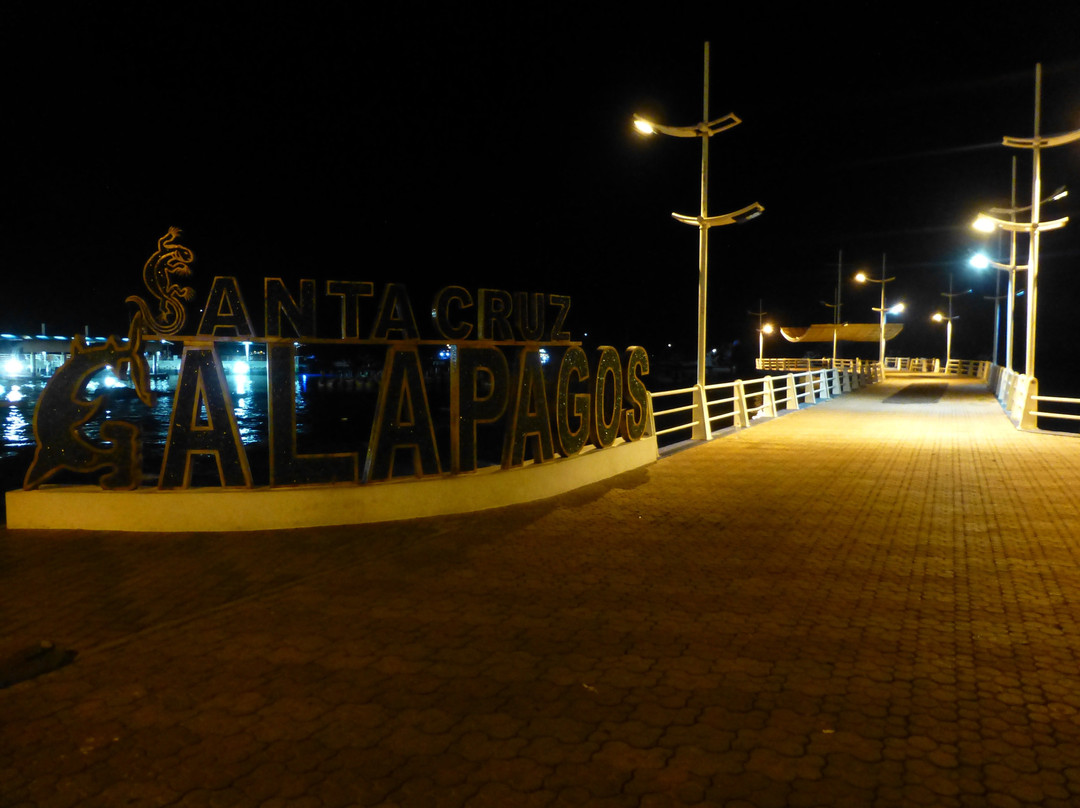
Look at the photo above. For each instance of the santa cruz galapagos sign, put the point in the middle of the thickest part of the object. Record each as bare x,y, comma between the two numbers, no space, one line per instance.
513,370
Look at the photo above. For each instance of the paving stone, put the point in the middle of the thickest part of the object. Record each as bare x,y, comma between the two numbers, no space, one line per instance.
856,604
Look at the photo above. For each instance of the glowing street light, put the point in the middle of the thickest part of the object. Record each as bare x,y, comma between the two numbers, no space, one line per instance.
704,130
763,328
948,319
937,318
862,277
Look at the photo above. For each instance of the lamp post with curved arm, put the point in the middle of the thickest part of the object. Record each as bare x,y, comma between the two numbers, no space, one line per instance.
980,262
763,328
988,223
835,306
882,310
1036,143
938,317
704,130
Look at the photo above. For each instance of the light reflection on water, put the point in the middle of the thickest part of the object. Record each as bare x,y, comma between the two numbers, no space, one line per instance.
17,430
249,408
333,414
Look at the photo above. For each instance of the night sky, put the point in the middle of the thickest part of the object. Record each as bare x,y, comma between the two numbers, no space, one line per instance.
494,148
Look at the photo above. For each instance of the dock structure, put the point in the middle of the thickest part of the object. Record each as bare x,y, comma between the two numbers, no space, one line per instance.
872,601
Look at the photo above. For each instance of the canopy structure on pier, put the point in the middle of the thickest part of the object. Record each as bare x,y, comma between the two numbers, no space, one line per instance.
845,332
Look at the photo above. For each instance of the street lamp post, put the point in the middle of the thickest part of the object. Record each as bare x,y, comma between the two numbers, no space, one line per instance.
1010,307
835,306
1036,143
981,262
997,297
862,277
938,317
704,130
988,223
1034,228
763,328
949,319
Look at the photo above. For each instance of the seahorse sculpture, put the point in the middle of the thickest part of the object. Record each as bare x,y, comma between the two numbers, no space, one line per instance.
171,261
62,412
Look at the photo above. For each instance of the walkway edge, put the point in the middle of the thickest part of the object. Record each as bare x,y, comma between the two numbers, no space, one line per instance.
223,509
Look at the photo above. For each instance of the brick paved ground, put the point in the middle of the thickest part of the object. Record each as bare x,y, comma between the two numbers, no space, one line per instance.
864,603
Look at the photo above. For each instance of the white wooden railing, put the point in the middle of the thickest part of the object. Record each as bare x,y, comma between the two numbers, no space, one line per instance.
903,364
700,411
1019,396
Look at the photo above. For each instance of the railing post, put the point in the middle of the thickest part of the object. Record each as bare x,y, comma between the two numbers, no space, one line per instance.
811,396
1028,418
1005,384
702,430
768,393
742,415
1016,397
1005,389
650,424
791,400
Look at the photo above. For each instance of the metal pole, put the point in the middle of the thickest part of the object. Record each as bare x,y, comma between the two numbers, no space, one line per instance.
881,336
948,328
997,315
836,311
760,329
1010,309
760,314
703,233
1033,255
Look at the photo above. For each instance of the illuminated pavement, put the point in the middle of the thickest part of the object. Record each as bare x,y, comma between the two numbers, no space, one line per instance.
864,603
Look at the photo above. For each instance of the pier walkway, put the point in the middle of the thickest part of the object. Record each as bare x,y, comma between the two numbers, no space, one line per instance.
874,601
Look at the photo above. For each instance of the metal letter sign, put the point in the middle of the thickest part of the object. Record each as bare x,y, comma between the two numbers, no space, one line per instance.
62,412
170,262
478,382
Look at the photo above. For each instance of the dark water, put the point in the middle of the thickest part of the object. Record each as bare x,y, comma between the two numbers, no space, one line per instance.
332,414
16,432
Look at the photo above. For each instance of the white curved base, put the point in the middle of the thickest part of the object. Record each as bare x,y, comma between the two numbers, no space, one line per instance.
219,509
